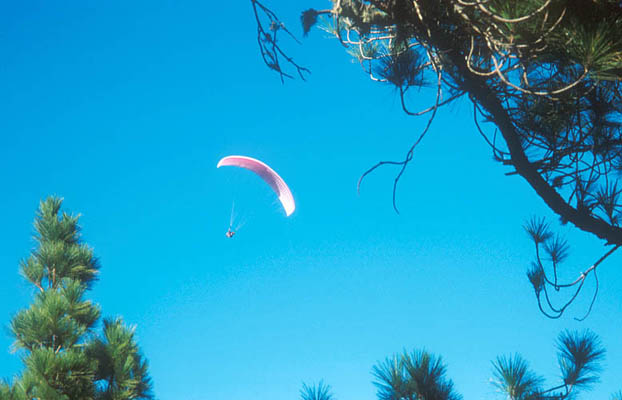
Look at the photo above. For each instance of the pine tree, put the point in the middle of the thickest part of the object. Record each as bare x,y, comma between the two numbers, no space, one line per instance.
63,356
544,78
420,375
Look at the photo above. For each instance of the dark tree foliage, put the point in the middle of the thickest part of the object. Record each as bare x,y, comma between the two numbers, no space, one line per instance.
269,26
64,357
416,375
579,357
544,78
555,252
321,391
421,376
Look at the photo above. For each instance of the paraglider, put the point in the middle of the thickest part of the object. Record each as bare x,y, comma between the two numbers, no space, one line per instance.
268,175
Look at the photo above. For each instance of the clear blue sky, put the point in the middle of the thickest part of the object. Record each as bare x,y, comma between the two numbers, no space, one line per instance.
124,109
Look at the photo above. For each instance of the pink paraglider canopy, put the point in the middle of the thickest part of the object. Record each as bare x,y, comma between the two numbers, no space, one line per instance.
267,174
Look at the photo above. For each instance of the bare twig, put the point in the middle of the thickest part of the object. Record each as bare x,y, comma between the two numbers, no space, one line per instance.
270,50
579,282
410,153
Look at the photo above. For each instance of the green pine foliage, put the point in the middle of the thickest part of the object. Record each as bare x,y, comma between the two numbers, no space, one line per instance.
64,356
416,375
545,81
321,391
119,362
544,75
420,375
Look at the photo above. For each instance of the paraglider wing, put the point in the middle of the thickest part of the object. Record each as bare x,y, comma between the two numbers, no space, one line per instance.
267,174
